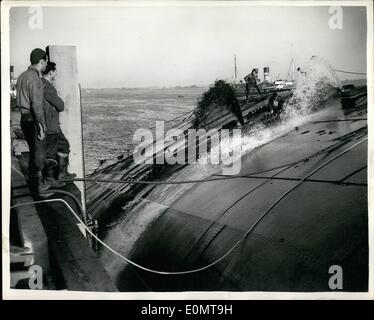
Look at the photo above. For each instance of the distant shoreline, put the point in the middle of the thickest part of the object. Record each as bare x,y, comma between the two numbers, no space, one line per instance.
356,82
149,88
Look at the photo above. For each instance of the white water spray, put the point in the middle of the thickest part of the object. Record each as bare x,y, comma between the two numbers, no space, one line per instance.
315,85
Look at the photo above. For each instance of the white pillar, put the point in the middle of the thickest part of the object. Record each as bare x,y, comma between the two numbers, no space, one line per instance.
67,87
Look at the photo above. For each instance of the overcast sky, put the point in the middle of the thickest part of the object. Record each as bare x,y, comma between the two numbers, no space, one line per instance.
169,46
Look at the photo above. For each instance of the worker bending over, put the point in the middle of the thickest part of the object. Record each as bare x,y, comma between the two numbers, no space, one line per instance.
275,103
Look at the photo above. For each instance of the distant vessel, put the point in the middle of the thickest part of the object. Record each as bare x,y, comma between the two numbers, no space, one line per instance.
267,84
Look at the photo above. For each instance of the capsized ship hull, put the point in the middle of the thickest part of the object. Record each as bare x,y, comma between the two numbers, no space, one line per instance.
264,230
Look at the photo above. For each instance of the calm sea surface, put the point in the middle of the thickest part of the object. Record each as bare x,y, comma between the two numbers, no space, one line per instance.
111,116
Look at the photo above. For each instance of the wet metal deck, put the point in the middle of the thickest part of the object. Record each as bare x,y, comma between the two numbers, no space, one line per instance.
73,264
321,223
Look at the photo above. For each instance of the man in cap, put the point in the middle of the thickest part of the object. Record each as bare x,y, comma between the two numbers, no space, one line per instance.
251,81
57,146
30,100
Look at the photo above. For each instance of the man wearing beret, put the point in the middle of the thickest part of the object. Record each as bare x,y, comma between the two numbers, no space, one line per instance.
30,100
57,146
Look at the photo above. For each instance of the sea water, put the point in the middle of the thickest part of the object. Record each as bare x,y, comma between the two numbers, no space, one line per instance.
111,116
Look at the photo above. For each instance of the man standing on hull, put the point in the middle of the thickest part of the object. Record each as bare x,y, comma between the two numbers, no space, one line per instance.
251,81
30,100
57,146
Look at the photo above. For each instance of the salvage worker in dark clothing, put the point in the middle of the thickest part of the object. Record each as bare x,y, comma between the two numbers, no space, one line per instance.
57,146
275,103
251,81
30,100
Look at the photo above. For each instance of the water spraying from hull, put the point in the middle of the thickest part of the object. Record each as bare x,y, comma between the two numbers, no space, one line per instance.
314,90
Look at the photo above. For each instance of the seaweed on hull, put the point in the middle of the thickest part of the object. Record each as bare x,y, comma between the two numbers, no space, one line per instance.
220,95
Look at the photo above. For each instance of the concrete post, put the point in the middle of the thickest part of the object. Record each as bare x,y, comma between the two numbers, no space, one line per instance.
67,86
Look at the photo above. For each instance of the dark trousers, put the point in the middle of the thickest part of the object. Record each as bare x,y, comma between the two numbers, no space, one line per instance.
63,145
37,154
248,86
56,142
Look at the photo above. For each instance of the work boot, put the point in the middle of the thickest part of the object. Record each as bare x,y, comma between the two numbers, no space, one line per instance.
63,162
39,187
49,171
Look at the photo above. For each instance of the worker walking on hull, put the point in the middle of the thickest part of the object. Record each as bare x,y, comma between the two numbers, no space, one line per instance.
57,146
30,100
251,81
